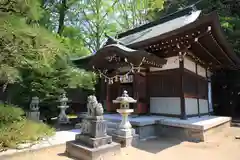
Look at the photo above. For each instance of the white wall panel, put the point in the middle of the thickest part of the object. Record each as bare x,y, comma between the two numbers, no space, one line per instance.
191,106
165,105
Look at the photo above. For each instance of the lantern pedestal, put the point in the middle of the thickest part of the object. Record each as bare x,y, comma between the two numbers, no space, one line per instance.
125,134
34,116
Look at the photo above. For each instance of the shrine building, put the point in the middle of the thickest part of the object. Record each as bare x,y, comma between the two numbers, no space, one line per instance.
166,65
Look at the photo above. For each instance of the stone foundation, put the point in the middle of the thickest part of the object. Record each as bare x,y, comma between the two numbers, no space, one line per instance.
190,134
184,134
81,152
193,129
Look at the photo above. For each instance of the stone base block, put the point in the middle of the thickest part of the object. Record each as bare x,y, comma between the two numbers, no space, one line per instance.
76,150
126,141
93,142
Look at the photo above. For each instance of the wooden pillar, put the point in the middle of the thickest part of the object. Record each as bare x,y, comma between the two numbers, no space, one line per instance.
135,92
207,93
108,103
197,88
182,98
102,91
147,91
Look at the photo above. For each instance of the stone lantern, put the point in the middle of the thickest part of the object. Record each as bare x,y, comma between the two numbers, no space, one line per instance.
34,113
124,132
62,118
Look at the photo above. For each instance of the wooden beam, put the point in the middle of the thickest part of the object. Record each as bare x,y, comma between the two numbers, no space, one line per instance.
224,53
182,98
197,88
213,57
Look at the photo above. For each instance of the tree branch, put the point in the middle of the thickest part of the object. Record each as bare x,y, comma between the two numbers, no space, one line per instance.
87,19
114,3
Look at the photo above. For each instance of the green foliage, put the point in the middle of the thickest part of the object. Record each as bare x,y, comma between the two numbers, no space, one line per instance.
136,12
93,19
24,45
86,22
10,114
15,129
51,83
34,57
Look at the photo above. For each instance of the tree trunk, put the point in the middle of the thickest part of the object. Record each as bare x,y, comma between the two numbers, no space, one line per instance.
62,13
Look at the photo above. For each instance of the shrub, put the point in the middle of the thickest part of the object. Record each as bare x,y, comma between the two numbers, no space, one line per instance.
16,129
22,132
10,114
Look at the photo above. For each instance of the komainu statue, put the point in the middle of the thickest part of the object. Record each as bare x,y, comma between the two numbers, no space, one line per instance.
94,111
94,108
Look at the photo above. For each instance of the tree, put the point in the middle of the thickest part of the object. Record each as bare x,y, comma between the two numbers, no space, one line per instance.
94,18
58,15
133,13
23,44
32,56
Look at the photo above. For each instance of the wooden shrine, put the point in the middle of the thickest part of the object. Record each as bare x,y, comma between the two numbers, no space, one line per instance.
172,61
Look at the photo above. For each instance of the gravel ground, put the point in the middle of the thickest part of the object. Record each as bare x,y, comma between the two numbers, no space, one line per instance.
223,146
